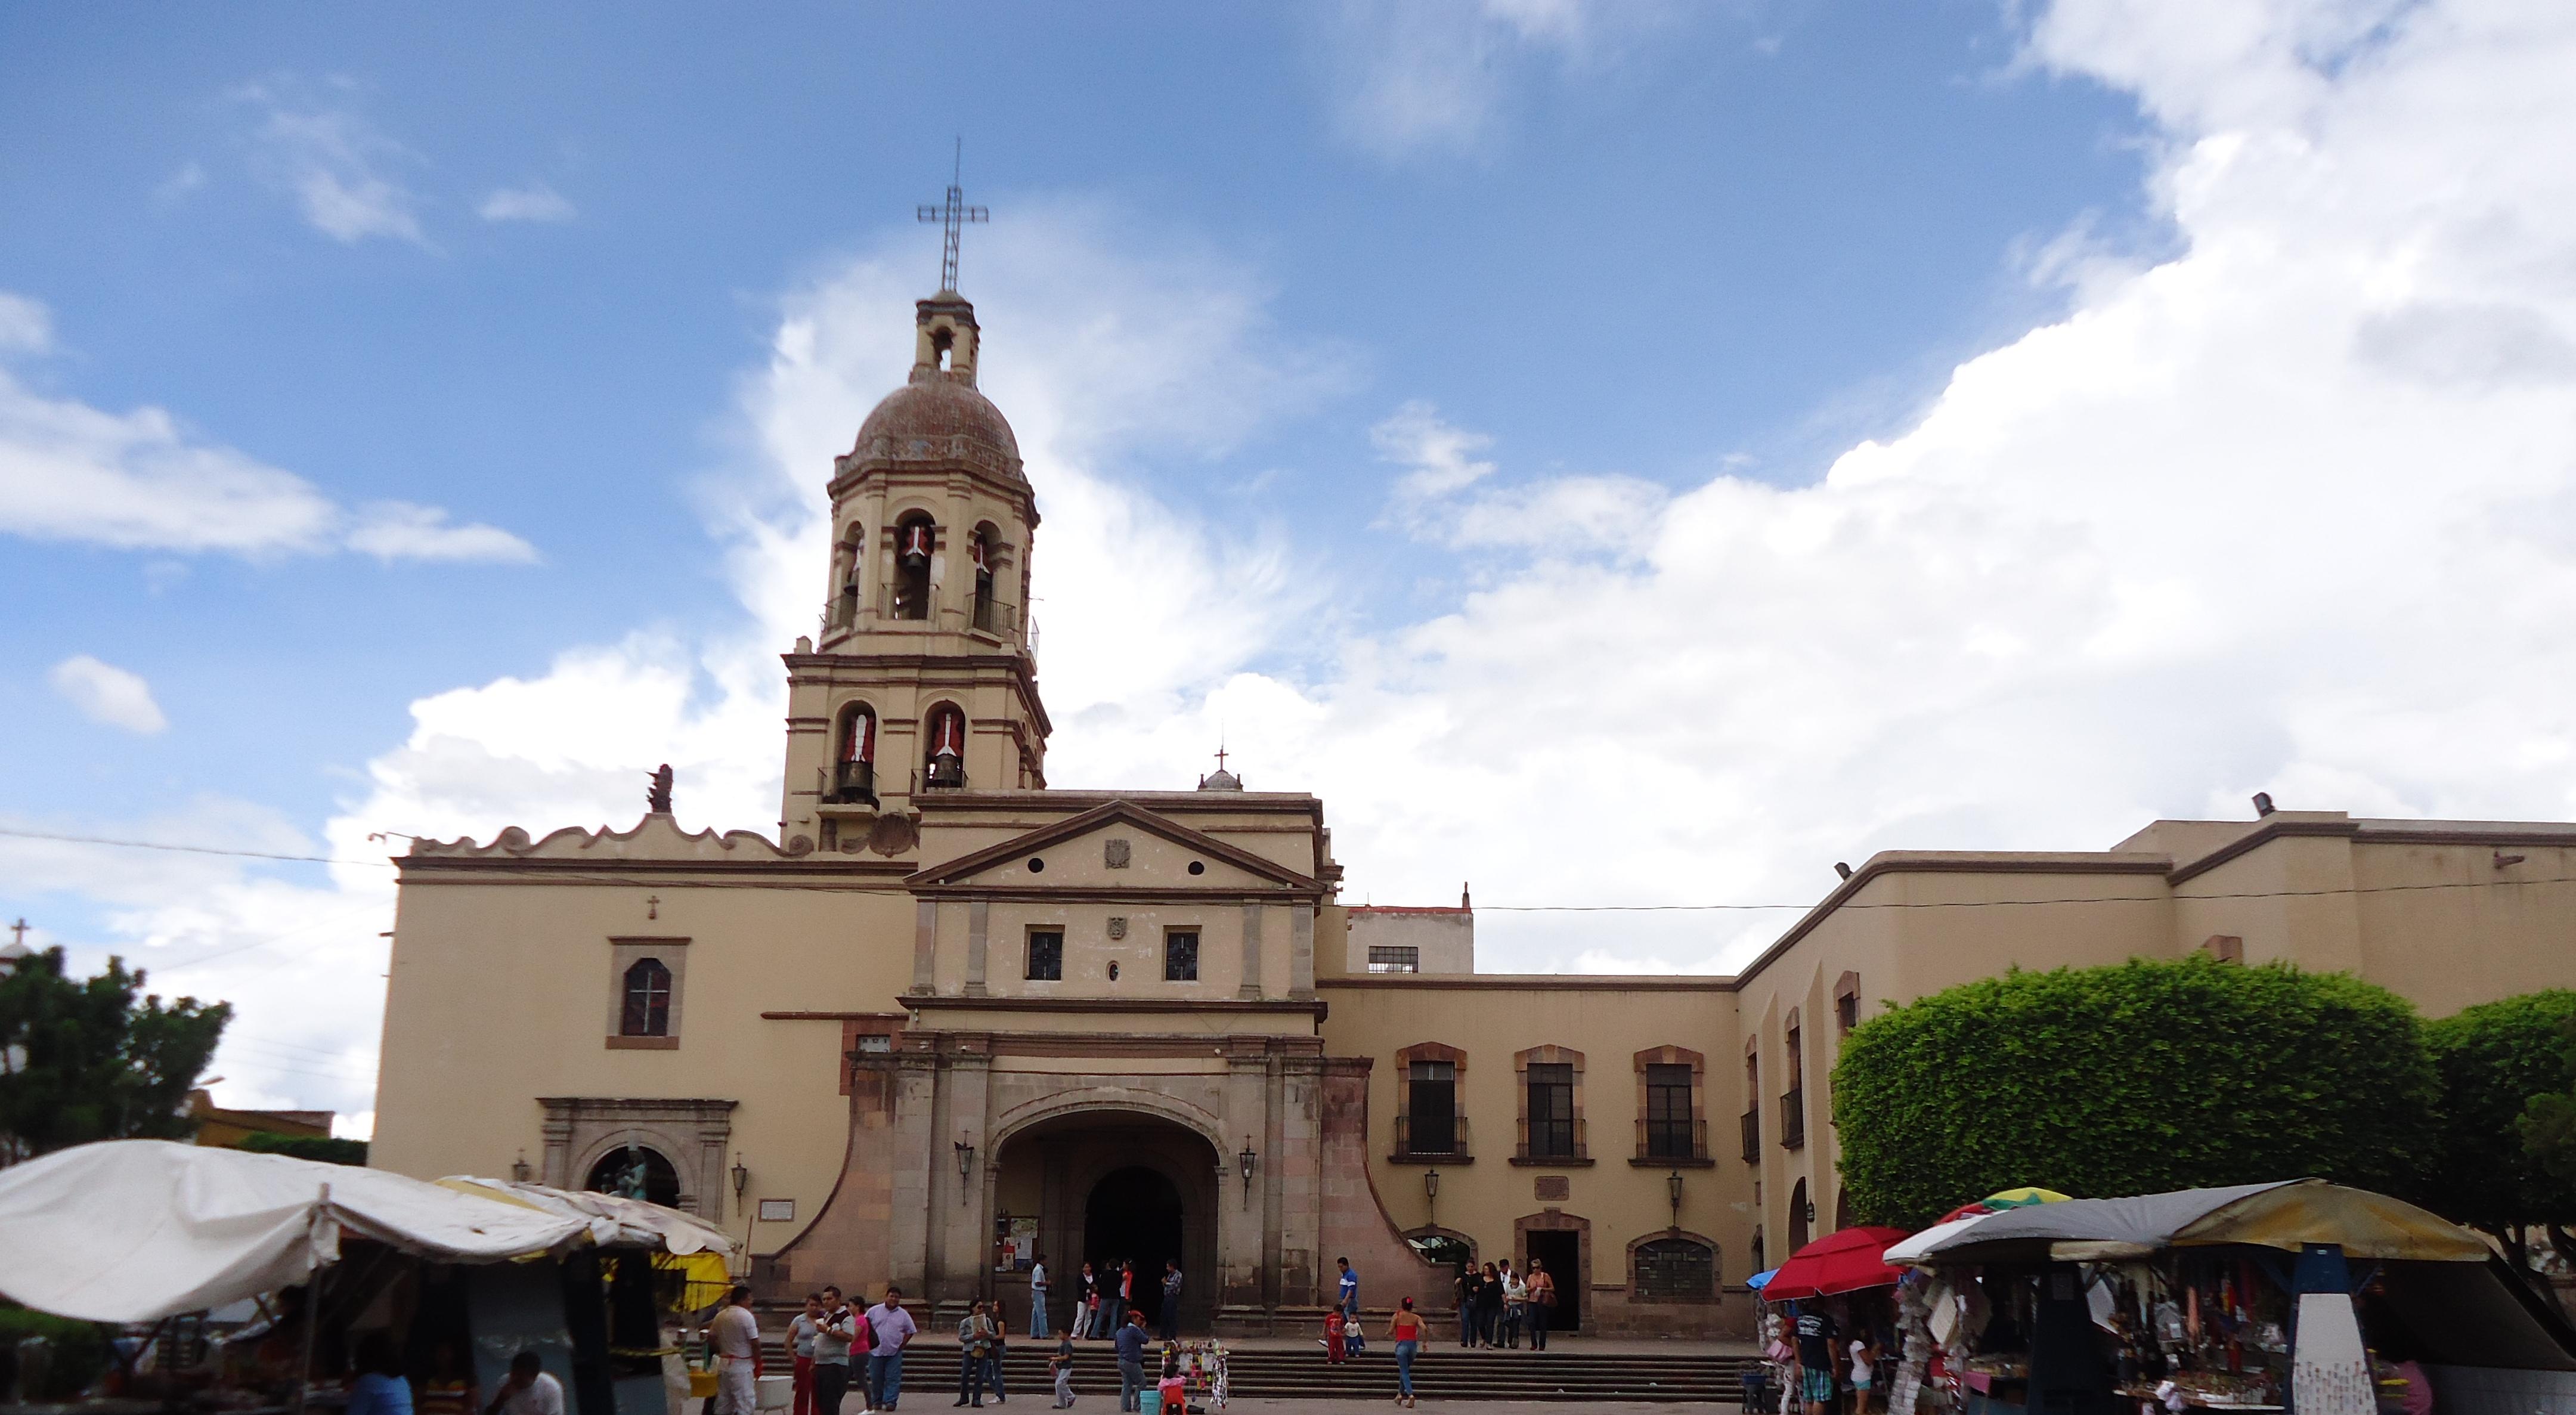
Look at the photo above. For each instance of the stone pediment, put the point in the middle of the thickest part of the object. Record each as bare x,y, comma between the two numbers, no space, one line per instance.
1119,848
656,837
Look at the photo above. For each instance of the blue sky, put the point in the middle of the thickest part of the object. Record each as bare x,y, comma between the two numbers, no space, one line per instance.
1742,436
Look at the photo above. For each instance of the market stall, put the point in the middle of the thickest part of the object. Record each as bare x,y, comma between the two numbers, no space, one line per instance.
2299,1295
453,1278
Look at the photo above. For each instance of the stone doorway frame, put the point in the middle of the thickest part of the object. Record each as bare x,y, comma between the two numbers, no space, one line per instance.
694,1135
1559,1221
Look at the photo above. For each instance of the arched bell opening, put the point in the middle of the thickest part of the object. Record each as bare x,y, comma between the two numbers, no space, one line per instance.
916,541
988,611
854,757
943,752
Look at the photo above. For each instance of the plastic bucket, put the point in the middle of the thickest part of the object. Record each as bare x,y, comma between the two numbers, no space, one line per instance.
1150,1401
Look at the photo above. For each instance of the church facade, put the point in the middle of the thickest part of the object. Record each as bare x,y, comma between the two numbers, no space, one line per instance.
948,1017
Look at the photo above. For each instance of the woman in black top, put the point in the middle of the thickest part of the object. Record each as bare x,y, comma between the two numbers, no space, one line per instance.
1489,1306
1470,1283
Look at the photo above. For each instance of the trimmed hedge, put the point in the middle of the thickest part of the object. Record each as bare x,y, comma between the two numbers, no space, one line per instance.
2132,1079
2494,1058
80,1349
307,1147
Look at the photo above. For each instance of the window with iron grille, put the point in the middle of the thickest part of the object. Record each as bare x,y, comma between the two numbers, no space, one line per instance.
648,1000
1181,956
1668,1113
1404,958
1551,1109
1046,955
1675,1269
1431,1108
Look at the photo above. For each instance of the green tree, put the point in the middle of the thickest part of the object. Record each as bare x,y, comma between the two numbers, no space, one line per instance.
2495,1060
307,1147
86,1059
2131,1079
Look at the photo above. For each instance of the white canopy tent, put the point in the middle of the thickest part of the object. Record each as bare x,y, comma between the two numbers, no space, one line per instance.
138,1230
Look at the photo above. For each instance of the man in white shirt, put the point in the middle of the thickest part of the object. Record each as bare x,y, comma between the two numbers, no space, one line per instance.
1038,1299
737,1337
528,1390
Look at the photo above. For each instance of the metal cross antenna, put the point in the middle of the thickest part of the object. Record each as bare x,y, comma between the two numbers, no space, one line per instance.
952,214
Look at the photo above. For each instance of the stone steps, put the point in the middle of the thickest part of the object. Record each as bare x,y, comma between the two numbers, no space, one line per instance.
1438,1373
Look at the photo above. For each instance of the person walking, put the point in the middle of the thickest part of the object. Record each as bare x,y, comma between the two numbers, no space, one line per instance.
1171,1299
974,1343
1515,1306
890,1330
835,1332
737,1341
1038,1299
1131,1362
1816,1331
1336,1344
1062,1365
1086,1310
1541,1305
1405,1330
993,1355
1348,1290
800,1349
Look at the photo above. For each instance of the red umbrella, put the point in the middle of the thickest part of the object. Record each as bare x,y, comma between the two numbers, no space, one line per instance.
1843,1261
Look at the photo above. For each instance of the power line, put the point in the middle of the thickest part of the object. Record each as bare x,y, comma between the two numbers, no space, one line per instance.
188,849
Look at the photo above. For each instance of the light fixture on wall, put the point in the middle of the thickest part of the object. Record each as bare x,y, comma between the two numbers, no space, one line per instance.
519,1168
1431,1193
741,1178
965,1167
1810,1213
1673,1187
1247,1160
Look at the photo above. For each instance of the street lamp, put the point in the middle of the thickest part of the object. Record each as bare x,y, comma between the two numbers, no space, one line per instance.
965,1166
1247,1160
519,1168
1673,1187
1431,1193
741,1178
741,1183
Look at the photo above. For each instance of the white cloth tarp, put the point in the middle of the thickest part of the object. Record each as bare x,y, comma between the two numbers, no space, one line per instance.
138,1230
615,1220
2282,1215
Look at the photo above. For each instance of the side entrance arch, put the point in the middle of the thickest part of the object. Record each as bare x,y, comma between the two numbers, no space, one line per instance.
1104,1187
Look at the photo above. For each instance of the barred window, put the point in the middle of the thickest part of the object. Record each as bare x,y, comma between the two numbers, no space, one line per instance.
1181,956
1675,1269
1551,1109
1431,1104
1046,955
648,1000
1386,958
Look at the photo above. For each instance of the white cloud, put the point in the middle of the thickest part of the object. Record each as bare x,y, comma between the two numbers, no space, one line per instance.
106,693
399,530
1411,75
26,326
332,161
533,202
140,481
1436,454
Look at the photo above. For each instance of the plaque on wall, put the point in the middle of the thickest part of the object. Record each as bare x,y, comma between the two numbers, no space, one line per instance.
1553,1188
778,1211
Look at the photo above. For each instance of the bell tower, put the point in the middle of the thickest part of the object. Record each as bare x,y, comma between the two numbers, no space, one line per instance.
921,677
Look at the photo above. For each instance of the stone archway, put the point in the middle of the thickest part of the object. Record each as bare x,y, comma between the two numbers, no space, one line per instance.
1094,1181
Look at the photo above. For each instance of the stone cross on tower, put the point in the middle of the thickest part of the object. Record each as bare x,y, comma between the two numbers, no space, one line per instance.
952,214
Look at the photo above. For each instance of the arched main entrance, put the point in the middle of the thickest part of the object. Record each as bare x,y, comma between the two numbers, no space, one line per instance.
1135,1215
1104,1186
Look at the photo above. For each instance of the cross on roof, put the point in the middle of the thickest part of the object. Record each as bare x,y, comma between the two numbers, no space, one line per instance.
1220,756
952,214
20,929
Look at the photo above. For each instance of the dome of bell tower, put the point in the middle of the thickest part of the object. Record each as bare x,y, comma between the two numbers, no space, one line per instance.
938,414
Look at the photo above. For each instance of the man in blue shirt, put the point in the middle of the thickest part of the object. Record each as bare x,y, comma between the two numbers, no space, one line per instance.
1350,1290
1131,1360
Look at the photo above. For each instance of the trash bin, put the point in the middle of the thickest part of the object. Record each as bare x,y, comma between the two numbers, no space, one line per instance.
1149,1401
777,1392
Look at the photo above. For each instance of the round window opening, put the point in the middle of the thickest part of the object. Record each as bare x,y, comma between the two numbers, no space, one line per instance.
1037,865
1198,867
1113,970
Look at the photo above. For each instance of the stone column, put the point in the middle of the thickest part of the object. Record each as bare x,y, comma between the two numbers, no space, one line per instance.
962,1224
1301,1189
1243,1249
925,946
1252,921
916,1177
556,1168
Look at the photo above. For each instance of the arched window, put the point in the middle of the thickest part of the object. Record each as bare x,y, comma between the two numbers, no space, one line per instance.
943,756
987,616
854,769
1673,1270
916,541
648,1000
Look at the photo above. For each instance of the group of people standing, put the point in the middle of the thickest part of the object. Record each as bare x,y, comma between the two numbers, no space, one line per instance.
1101,1306
1497,1306
827,1341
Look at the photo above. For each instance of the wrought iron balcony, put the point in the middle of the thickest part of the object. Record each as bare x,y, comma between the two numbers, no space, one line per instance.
1753,1135
1676,1140
1440,1137
1793,1119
